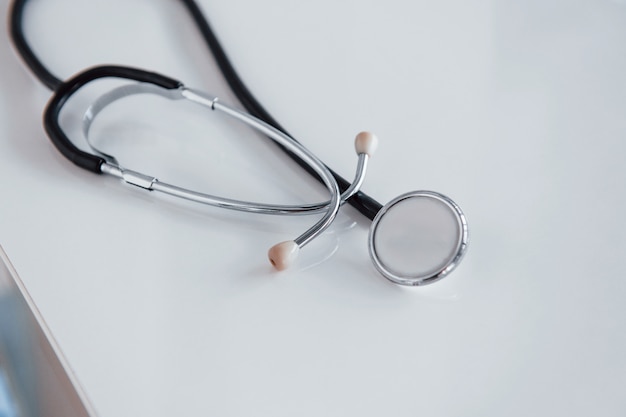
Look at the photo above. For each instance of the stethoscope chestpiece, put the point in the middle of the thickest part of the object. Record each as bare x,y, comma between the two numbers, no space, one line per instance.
418,238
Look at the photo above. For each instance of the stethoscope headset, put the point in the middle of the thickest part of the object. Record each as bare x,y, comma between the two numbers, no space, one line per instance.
417,238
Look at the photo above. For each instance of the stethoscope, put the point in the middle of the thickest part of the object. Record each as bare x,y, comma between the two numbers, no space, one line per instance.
417,238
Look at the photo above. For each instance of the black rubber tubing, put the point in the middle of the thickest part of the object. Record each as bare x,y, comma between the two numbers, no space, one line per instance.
361,201
24,49
66,89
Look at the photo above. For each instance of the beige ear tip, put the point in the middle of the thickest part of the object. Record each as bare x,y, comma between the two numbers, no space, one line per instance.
283,254
366,142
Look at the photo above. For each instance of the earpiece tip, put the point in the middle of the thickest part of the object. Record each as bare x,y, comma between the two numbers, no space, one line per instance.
366,142
283,254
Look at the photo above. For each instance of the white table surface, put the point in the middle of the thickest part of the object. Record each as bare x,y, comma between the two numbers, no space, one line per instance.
516,110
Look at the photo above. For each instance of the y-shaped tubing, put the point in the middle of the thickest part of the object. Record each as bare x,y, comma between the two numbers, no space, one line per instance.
282,254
